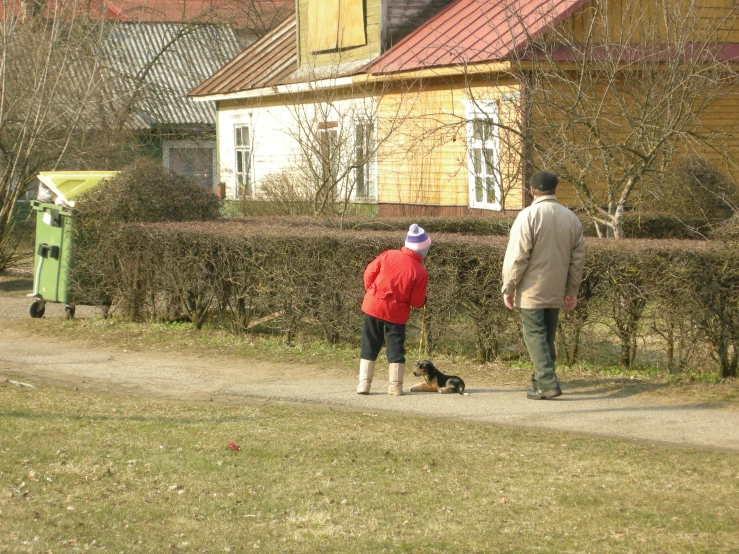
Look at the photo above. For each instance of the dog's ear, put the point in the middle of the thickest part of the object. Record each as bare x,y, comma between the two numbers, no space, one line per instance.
423,364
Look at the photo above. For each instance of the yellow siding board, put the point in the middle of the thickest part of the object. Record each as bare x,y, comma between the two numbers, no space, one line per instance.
634,21
431,169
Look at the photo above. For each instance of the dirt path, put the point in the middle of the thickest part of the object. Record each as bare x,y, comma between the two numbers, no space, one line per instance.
602,411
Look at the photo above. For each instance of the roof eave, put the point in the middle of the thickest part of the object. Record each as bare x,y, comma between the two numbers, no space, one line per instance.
278,90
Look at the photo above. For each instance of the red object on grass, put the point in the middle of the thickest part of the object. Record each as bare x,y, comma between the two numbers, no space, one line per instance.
233,446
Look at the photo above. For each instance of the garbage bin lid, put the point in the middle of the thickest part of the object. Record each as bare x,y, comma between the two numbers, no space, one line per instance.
66,185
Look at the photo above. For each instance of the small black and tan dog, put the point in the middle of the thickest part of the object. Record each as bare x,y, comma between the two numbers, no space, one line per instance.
435,380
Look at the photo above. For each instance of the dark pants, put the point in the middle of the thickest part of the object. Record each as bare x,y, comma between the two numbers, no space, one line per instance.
375,332
539,330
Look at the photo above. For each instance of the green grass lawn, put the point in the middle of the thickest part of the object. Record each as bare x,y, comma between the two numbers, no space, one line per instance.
83,471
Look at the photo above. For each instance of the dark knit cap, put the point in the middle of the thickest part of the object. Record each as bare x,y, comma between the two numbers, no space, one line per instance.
544,181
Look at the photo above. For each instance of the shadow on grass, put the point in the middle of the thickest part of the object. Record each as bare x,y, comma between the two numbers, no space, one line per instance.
620,388
17,285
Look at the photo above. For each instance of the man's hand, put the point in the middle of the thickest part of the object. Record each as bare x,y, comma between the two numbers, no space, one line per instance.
508,300
570,303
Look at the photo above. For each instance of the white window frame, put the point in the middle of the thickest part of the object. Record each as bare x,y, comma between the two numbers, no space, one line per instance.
244,153
370,165
167,146
487,111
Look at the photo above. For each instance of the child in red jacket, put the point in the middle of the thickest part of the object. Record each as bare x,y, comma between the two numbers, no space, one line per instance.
395,281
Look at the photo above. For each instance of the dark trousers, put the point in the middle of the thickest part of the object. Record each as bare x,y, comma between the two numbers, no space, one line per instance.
375,332
539,331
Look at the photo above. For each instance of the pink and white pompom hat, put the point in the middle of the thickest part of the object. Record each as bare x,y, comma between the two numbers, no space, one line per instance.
417,240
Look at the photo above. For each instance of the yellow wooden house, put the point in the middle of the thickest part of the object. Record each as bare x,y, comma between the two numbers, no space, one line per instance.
429,106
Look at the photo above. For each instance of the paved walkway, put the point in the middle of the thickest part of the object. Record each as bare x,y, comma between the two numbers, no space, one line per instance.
603,411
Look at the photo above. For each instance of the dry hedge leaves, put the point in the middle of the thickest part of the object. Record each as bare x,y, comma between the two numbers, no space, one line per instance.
236,272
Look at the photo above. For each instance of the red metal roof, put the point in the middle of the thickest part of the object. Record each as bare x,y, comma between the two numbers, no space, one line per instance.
266,62
470,31
465,31
233,12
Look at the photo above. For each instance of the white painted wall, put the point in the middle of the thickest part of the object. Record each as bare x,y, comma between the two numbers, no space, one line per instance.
275,148
272,147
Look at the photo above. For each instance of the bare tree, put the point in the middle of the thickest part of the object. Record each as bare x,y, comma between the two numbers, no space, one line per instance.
80,91
256,16
44,102
339,124
611,97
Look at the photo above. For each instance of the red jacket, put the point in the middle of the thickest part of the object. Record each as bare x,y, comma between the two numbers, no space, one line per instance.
395,280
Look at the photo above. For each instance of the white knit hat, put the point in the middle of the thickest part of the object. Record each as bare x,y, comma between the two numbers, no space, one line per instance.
417,240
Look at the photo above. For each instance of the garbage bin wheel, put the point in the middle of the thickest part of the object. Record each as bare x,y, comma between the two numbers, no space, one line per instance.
69,312
37,309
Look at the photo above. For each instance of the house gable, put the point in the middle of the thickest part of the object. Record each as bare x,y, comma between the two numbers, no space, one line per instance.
343,32
332,33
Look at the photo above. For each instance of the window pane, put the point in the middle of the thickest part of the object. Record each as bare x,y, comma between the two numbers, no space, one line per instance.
477,161
490,192
489,161
242,136
247,166
359,159
193,163
477,167
477,129
488,130
239,162
370,154
361,185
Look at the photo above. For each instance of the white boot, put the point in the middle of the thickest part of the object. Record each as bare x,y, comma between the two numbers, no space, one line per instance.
396,379
366,372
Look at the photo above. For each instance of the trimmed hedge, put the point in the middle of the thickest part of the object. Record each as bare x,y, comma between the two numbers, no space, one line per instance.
681,297
642,226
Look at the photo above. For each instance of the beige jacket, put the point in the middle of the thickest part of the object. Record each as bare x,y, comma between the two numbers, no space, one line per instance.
545,255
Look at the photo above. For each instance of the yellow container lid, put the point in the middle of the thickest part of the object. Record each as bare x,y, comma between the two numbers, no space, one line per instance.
66,185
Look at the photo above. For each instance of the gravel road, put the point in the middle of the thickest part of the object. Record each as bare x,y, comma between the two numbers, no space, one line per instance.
601,411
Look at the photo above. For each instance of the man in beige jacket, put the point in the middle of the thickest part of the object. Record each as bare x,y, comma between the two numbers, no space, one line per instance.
542,270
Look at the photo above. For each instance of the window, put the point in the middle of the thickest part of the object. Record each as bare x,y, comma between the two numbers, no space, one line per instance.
335,24
243,147
482,143
328,137
194,160
364,160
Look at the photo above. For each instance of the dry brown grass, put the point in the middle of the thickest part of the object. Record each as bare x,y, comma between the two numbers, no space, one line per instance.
93,472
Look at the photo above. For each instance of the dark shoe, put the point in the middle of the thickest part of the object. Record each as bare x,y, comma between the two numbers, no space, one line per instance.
538,394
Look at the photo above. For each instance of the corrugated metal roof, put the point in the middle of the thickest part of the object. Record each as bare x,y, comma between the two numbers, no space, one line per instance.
269,61
470,31
155,65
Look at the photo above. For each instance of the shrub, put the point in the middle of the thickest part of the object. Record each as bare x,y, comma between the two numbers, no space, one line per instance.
727,231
694,189
143,192
147,192
235,273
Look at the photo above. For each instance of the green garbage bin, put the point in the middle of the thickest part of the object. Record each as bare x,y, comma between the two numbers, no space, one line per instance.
54,237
